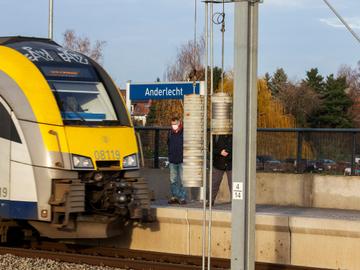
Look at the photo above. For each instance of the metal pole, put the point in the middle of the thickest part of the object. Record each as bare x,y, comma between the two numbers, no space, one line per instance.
128,101
51,19
299,151
223,48
211,134
205,135
353,153
342,20
157,145
244,136
195,46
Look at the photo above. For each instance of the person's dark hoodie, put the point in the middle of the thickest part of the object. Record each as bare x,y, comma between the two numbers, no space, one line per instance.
220,162
176,145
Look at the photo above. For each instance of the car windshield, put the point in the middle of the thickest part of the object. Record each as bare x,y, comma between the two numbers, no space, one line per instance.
84,101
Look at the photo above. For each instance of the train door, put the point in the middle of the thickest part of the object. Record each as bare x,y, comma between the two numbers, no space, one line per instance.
5,150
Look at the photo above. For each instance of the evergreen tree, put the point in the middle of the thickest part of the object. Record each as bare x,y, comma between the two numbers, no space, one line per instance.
217,77
151,117
278,81
315,81
267,78
333,113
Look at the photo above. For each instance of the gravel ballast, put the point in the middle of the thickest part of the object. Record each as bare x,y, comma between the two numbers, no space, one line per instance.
11,262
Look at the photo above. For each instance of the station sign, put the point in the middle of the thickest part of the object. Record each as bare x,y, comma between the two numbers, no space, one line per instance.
167,90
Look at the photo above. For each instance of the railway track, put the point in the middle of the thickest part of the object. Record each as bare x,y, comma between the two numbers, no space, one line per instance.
125,258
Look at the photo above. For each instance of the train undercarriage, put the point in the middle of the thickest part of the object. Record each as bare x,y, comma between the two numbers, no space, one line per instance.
97,205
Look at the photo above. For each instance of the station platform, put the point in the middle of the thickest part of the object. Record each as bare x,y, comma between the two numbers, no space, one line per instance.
314,237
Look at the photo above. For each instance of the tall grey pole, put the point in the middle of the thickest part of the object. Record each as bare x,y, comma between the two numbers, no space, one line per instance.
211,134
244,135
206,61
51,19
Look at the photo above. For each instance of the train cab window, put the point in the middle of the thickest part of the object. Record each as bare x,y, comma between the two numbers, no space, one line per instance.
83,101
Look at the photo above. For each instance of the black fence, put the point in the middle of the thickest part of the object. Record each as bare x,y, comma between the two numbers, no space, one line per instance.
330,151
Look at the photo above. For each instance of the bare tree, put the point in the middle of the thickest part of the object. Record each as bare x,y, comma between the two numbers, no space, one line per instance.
352,76
188,64
83,45
299,100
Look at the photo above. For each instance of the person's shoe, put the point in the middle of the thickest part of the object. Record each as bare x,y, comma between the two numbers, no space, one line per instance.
207,203
173,200
182,201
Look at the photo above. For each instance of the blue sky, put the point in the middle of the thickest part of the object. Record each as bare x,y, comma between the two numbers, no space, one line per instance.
143,36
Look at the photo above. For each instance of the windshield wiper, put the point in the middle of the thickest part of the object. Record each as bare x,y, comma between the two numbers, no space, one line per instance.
77,114
111,122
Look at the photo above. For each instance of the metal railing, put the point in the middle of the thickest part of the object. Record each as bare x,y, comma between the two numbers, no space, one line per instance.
297,150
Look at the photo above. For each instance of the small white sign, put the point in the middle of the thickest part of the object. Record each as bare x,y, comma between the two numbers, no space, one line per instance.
238,191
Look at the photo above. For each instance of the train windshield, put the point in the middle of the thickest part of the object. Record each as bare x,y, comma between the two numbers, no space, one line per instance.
83,101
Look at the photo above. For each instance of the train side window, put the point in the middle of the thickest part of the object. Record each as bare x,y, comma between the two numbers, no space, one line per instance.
7,127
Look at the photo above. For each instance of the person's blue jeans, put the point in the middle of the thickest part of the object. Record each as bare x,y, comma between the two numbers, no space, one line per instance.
176,174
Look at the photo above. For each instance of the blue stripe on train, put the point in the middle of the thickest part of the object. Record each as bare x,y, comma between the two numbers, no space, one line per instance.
18,209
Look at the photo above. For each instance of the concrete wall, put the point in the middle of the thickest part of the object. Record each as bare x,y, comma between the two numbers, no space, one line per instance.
179,230
309,190
302,190
325,243
296,240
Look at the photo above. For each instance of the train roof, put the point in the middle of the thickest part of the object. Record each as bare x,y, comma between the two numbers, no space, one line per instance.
44,51
16,39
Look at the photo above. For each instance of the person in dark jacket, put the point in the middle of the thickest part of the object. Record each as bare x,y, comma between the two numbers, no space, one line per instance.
222,163
175,150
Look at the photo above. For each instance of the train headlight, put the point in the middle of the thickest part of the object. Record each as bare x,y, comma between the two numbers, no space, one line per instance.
81,162
130,161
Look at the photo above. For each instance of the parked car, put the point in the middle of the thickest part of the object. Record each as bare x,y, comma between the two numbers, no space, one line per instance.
268,163
305,165
325,165
274,165
259,165
163,162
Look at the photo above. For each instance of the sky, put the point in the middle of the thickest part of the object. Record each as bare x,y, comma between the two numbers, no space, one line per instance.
142,37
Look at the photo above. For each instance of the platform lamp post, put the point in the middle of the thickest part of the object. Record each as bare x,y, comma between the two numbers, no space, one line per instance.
51,19
244,135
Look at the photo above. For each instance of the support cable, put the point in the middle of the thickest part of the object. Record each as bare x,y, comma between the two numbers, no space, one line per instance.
356,36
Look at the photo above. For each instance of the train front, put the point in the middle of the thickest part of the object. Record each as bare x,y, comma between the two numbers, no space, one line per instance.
92,160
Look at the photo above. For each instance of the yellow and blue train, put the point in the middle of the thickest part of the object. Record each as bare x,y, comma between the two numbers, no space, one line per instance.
68,151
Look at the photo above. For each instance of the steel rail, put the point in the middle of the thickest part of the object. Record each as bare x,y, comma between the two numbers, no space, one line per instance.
126,258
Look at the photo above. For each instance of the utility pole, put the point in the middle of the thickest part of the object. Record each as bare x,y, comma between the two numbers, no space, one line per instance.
51,19
244,135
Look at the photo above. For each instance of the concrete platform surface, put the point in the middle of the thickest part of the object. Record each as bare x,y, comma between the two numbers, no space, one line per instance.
281,189
308,212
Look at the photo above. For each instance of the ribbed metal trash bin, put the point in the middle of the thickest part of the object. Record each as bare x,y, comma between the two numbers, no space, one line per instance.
193,141
221,122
